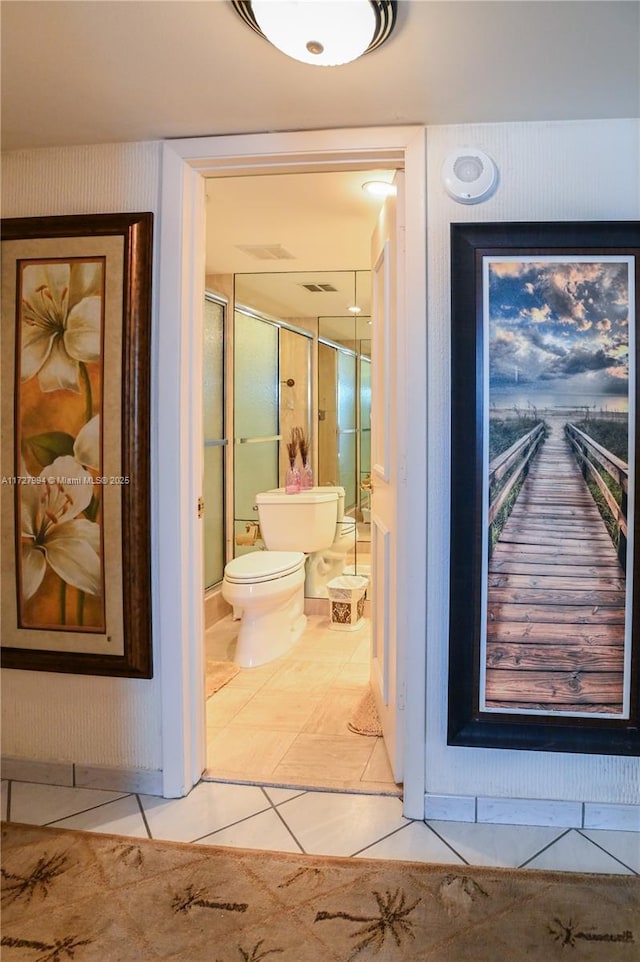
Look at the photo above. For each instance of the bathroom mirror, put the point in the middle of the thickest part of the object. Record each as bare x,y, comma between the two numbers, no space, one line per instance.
302,358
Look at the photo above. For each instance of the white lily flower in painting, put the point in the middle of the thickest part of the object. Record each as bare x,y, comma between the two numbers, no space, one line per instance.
52,533
61,321
86,447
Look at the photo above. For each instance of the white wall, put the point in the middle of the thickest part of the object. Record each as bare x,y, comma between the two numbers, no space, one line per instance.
85,719
548,171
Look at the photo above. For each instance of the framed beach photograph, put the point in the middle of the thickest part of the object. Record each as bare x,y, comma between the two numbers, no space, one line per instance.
544,624
75,356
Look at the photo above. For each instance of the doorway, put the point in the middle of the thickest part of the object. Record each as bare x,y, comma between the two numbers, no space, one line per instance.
298,338
179,532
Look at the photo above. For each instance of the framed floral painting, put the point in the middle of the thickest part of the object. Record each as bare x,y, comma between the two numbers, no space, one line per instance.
75,354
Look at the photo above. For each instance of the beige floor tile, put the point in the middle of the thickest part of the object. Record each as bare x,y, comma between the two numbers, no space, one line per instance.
362,654
378,768
334,711
226,703
220,639
285,723
303,676
354,674
249,752
253,679
317,625
213,730
277,711
334,757
326,646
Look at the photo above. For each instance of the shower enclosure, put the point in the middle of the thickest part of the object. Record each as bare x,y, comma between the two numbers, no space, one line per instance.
271,396
294,363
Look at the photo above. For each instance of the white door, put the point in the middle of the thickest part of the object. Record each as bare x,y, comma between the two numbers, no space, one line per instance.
387,273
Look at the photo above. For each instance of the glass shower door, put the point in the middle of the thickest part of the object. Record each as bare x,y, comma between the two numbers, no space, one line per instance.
214,441
347,427
255,416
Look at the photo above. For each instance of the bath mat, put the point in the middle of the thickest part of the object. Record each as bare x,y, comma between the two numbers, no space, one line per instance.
364,720
84,897
218,674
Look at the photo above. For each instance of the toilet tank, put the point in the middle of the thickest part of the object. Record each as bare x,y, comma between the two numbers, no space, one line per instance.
340,492
325,489
298,522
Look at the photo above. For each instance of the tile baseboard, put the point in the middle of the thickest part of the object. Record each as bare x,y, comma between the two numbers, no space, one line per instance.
622,818
215,607
527,811
43,773
532,812
135,780
450,808
71,775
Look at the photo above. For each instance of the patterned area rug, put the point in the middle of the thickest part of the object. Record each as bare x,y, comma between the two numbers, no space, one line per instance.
219,673
104,898
364,720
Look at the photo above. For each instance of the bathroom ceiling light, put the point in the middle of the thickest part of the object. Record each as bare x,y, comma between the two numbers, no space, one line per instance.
354,309
379,188
325,33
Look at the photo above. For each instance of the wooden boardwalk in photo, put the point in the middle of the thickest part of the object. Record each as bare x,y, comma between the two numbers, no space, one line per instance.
556,596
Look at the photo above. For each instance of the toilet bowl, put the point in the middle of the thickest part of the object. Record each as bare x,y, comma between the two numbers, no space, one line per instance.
268,588
324,565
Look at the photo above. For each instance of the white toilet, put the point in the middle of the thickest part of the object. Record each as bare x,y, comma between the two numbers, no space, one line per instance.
268,586
328,563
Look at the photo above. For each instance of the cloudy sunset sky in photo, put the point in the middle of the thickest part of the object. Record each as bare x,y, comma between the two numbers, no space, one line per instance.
558,330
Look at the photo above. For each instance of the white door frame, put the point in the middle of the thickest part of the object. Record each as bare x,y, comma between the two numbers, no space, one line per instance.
177,467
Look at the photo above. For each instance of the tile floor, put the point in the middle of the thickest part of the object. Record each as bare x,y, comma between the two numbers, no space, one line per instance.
285,723
331,823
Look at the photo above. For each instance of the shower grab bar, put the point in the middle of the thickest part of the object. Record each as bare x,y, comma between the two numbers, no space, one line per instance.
272,437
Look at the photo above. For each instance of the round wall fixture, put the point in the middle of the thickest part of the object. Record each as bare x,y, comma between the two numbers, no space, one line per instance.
469,175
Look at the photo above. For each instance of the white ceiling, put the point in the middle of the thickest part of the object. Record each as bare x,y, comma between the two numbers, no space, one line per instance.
322,222
104,71
101,71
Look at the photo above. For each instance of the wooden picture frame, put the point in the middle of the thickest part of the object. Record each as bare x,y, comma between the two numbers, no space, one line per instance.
544,627
75,534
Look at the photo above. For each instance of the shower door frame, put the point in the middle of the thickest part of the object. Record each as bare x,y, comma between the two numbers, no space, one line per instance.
178,574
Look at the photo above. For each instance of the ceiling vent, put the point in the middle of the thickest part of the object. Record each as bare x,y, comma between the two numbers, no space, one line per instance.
320,288
266,252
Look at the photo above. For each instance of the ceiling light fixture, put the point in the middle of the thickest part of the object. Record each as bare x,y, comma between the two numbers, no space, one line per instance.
379,188
354,309
326,33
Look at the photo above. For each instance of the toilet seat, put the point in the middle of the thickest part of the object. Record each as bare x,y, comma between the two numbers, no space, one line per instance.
260,566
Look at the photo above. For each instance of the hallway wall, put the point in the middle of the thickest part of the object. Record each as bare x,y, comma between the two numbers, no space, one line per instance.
549,171
583,170
86,719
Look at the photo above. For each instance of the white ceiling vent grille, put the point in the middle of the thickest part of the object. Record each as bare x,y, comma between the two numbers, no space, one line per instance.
266,252
320,288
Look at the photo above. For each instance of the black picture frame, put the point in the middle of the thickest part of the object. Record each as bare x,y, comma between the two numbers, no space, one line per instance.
125,242
480,713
